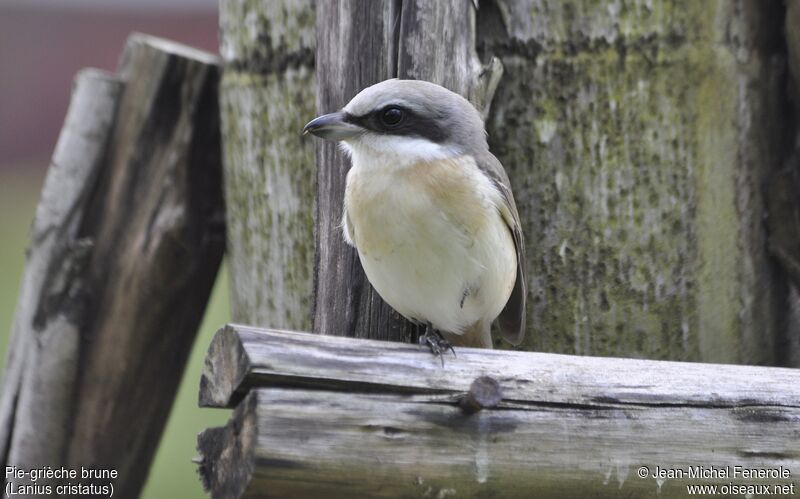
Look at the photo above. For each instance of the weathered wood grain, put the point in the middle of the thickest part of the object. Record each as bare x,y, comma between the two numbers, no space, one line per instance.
792,30
159,241
438,42
36,400
127,241
356,49
266,96
784,224
241,358
638,138
338,417
783,203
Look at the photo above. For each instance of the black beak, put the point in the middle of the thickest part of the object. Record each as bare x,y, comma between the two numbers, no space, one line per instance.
332,126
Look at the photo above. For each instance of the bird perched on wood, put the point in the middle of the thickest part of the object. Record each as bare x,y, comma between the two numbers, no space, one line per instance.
430,211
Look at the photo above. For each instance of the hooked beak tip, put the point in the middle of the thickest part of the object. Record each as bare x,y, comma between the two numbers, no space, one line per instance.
331,126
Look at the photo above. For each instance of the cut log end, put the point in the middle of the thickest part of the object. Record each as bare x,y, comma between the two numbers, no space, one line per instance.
174,48
226,454
222,372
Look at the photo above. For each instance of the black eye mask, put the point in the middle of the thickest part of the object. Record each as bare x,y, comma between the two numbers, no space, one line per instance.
398,120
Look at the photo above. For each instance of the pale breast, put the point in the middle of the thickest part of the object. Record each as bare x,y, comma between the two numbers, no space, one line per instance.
416,196
430,238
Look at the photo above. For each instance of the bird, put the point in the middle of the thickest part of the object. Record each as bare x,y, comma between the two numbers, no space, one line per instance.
430,211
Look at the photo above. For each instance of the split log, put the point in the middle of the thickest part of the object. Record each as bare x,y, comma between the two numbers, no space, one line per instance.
337,417
127,241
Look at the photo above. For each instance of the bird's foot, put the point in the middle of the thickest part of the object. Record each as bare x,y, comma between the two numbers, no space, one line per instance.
436,342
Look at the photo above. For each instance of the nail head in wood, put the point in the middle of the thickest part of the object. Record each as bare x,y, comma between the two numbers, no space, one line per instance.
484,392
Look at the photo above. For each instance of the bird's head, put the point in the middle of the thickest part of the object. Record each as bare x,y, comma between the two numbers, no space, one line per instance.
404,121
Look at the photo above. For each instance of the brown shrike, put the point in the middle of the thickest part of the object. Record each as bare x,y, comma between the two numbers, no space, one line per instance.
430,211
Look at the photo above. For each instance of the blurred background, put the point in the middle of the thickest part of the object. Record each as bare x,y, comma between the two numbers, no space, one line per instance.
43,43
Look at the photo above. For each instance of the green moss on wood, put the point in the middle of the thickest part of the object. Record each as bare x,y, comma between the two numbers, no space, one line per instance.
267,95
622,127
260,36
269,185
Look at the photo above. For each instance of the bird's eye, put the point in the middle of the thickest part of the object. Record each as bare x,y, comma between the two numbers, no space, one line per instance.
391,116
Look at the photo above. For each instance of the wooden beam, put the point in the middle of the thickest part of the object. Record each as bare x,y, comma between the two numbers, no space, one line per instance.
360,418
242,357
127,240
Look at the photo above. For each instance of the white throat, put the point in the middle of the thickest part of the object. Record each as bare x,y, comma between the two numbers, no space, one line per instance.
395,151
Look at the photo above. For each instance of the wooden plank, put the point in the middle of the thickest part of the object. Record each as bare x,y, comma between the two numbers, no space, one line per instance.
241,358
122,255
160,241
312,443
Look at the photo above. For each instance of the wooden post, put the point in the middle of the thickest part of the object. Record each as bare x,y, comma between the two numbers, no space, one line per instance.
338,417
266,96
128,237
781,192
356,48
34,409
638,142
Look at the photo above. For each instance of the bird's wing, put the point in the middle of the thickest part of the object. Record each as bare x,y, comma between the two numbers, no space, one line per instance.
347,229
512,318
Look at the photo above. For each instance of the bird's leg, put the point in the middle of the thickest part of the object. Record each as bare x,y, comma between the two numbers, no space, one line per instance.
436,342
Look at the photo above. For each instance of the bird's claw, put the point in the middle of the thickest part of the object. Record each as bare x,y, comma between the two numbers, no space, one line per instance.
436,342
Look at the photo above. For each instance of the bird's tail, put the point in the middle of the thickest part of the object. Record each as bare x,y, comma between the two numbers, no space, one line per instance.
478,335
